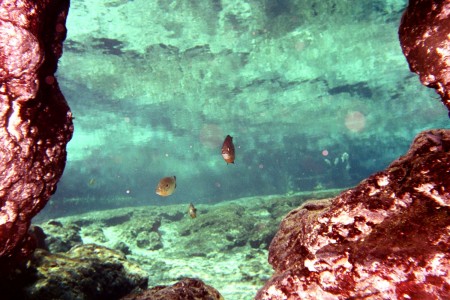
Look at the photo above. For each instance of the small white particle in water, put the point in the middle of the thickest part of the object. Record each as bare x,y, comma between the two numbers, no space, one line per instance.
167,154
127,191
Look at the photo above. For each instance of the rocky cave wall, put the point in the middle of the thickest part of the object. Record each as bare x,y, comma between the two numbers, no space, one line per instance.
389,237
36,122
425,39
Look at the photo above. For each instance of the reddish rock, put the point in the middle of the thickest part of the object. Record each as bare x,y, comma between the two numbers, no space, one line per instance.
35,120
186,289
425,39
387,238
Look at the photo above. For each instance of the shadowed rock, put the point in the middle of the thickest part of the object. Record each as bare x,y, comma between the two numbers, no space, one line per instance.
387,238
188,288
35,121
84,272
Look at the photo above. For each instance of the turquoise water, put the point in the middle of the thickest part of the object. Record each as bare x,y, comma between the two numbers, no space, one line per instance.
316,95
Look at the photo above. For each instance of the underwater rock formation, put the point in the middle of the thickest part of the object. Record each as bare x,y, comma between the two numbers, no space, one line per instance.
85,272
387,238
188,288
36,122
61,237
425,39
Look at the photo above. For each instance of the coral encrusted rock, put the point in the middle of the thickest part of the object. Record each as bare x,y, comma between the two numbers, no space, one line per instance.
387,238
188,288
425,39
35,120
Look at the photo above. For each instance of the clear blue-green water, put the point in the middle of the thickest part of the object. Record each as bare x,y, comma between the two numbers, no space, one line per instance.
316,94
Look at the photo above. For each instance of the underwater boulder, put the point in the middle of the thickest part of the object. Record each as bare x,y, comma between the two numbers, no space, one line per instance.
188,288
149,240
387,238
85,272
143,231
61,237
222,229
425,39
36,122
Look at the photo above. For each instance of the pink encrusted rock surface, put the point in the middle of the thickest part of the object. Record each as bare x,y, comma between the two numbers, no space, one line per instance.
425,39
387,238
35,120
185,289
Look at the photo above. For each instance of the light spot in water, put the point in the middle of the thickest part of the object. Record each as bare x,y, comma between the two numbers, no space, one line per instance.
325,152
355,121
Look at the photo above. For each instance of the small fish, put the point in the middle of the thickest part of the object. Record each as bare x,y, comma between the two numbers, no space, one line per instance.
228,150
166,186
192,211
91,182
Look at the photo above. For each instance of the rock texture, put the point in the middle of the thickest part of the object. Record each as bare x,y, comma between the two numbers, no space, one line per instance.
425,39
188,288
387,238
61,237
226,245
85,272
36,122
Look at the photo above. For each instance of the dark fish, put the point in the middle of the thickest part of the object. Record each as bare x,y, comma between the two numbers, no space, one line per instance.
228,150
192,211
166,186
